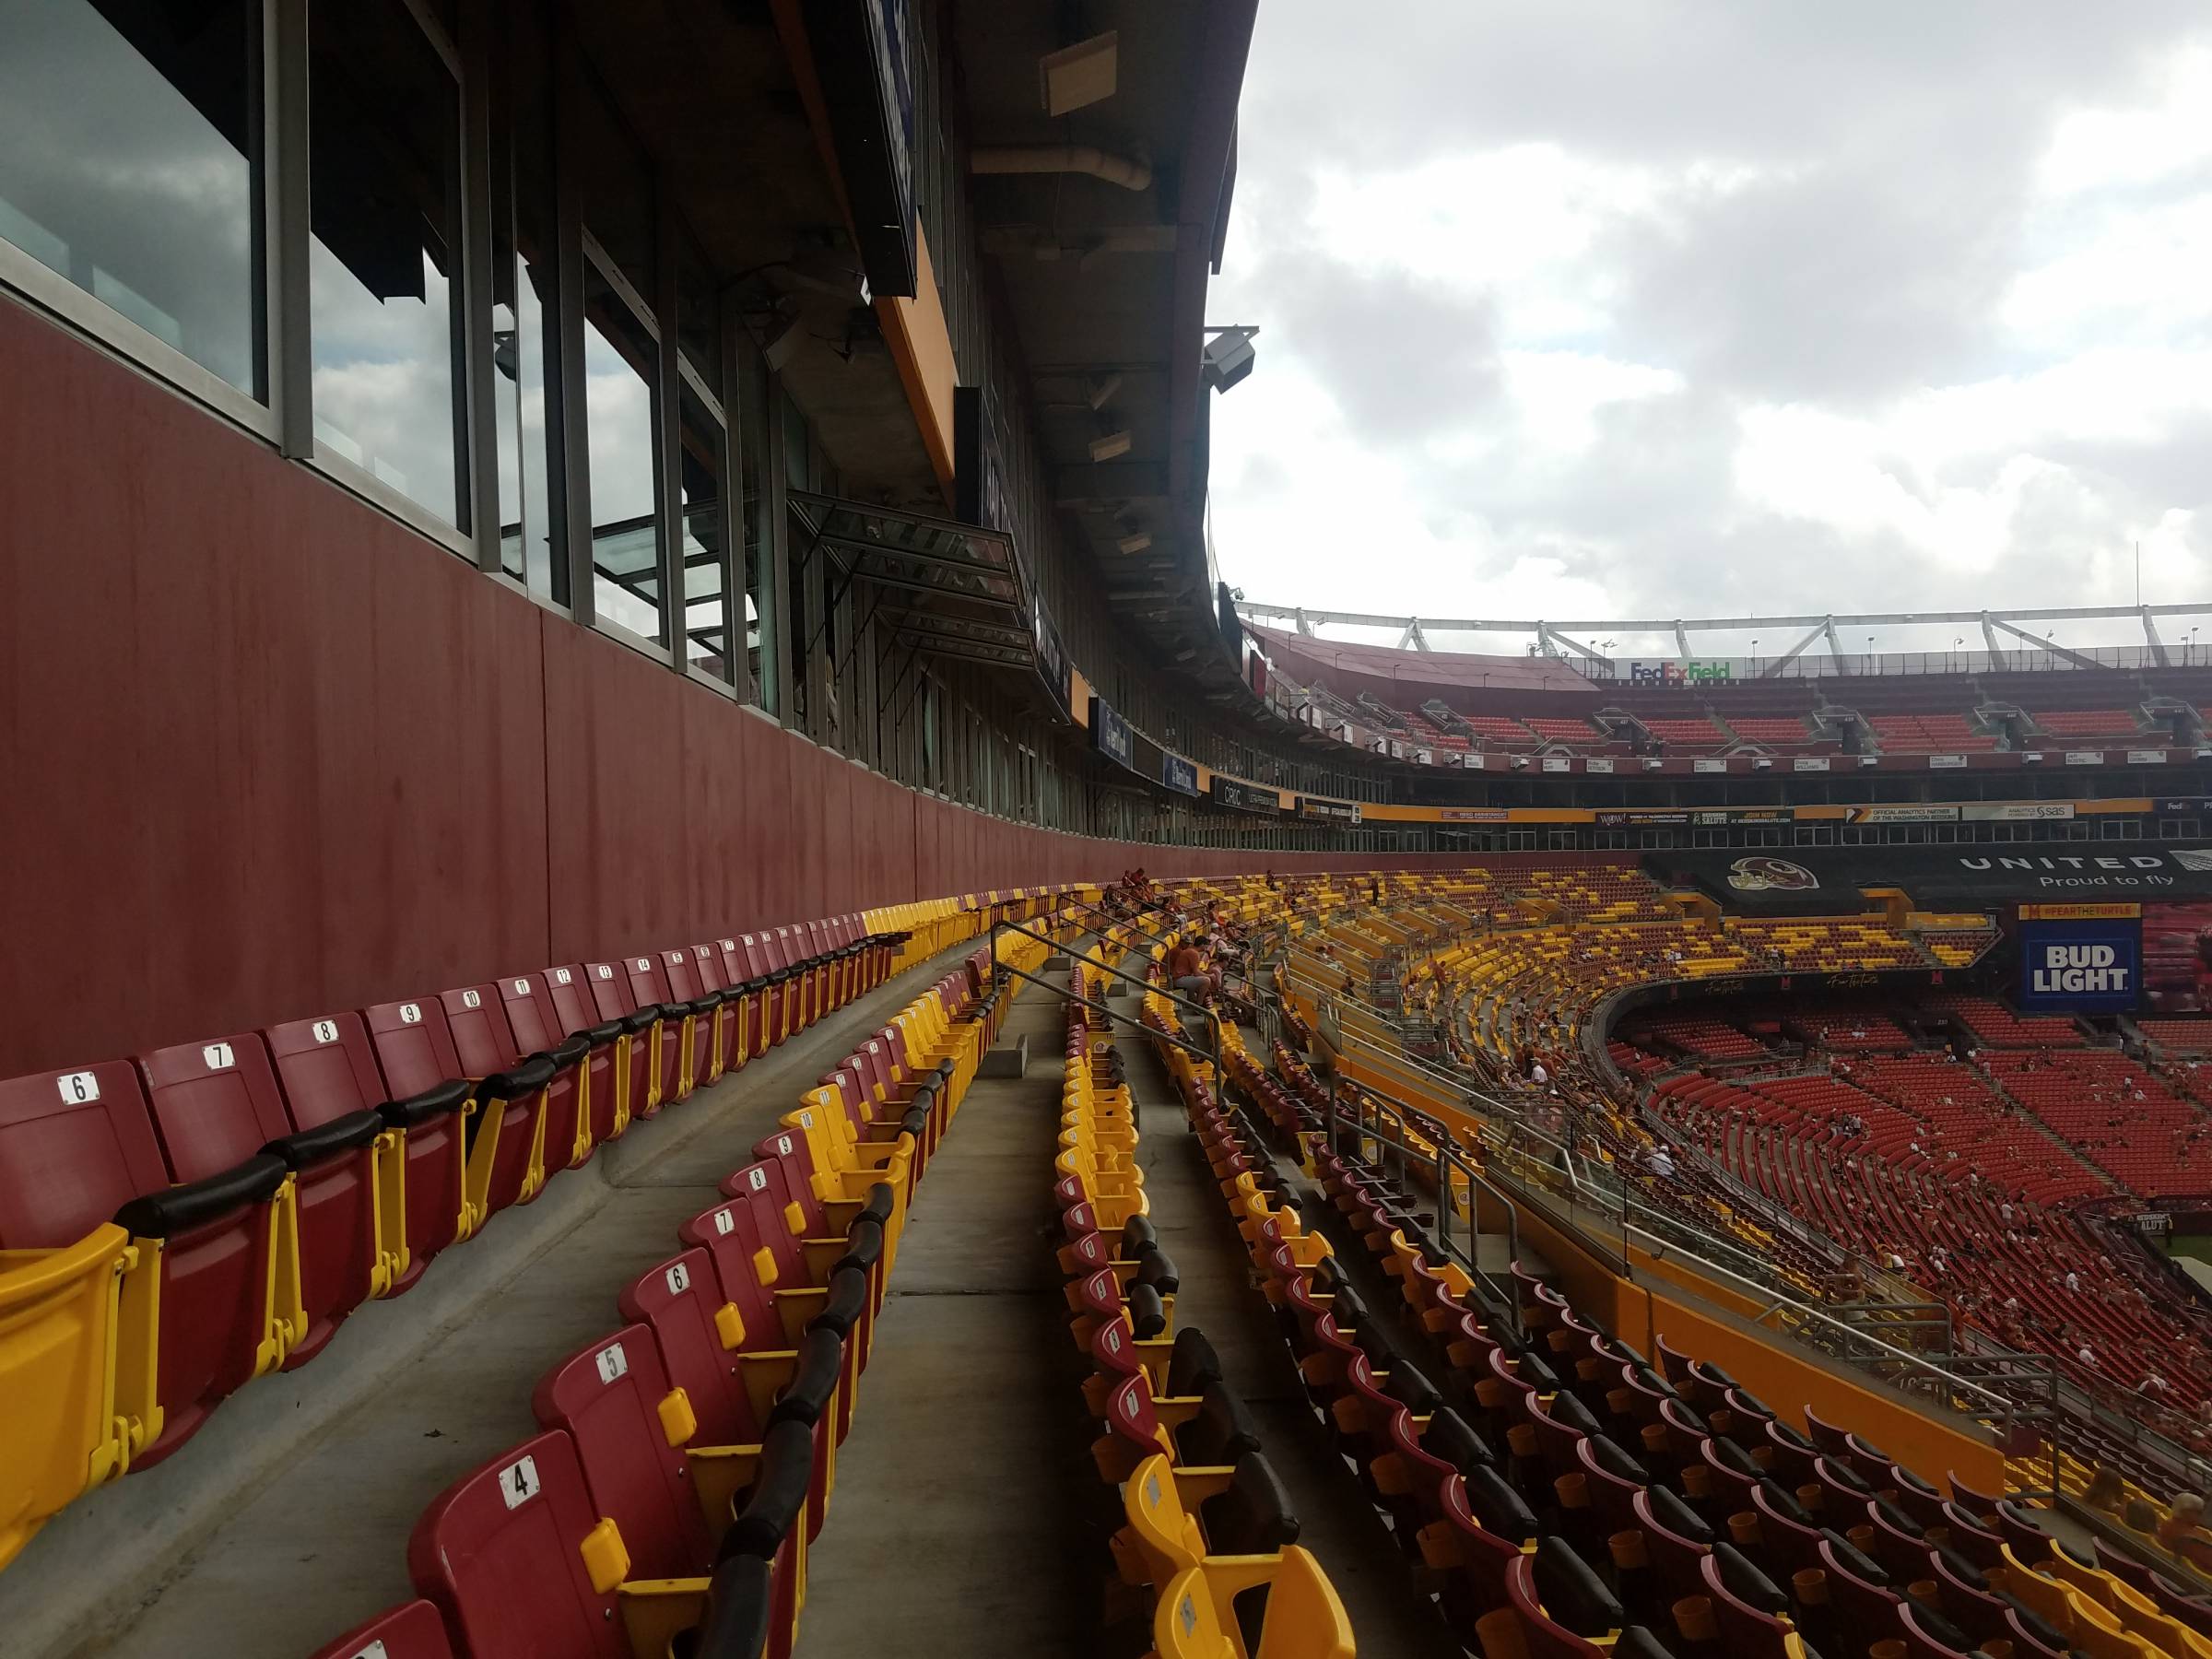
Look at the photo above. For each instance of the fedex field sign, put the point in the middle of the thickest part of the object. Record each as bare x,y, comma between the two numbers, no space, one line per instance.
2080,965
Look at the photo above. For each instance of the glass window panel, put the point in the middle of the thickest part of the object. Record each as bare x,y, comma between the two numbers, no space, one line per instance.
522,277
620,417
129,147
760,524
385,167
705,542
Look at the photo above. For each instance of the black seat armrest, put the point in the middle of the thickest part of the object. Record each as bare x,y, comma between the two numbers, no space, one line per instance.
642,1019
305,1147
526,1077
600,1035
569,1051
434,1102
178,1209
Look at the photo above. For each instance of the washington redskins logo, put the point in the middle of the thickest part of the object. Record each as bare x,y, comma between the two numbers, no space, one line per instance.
1770,875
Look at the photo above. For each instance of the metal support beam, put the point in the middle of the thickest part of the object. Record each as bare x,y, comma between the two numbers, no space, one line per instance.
1304,627
1989,638
2052,646
1413,638
1681,638
1825,626
2158,646
1835,646
1578,647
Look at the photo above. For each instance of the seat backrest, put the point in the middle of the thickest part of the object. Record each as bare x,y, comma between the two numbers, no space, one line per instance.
706,966
413,1045
648,985
794,1158
683,979
615,1401
215,1103
568,987
736,969
759,958
610,990
530,1013
499,1553
477,1020
760,1191
74,1147
326,1067
680,1298
411,1630
732,1240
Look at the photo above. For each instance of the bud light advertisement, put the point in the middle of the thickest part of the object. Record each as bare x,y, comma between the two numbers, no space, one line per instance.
2085,967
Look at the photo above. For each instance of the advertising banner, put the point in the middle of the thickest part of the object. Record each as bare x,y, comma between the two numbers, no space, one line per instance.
1831,877
1110,733
1178,774
1333,812
1245,797
2082,966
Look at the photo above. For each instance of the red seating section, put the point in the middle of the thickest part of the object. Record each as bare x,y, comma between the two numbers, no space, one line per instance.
1932,734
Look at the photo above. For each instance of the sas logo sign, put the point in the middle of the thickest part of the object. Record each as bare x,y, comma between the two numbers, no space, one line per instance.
2078,964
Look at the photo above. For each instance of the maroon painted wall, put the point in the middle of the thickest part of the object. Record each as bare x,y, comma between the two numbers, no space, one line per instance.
268,753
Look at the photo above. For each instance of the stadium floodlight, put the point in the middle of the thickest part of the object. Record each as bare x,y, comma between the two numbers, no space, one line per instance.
1230,355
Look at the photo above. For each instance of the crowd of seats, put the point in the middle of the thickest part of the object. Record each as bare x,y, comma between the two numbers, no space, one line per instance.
2178,1036
1704,1037
1993,1025
1207,1548
1948,734
1568,1498
174,1225
2074,724
2117,1113
686,1460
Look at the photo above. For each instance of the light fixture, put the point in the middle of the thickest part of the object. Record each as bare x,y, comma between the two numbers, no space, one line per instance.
785,345
1136,541
1107,446
1083,74
1762,764
1229,355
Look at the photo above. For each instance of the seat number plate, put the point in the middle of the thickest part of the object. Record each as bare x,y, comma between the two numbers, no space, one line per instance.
612,1363
519,1482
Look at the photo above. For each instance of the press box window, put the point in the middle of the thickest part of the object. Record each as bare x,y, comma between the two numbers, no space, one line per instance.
384,161
130,146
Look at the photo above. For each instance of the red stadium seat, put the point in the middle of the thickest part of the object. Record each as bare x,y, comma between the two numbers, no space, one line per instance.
433,1104
506,1152
412,1630
515,1557
534,1025
216,1104
578,1016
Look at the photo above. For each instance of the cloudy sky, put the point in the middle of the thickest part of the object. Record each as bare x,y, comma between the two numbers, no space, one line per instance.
1605,307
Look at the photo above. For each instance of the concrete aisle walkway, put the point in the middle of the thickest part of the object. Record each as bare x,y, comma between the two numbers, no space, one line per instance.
1390,1617
286,1520
955,1527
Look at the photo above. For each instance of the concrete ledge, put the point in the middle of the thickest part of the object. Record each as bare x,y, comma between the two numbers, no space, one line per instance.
1116,990
1063,963
1011,1060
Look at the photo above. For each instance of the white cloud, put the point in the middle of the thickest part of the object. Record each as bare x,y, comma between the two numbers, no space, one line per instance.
1566,350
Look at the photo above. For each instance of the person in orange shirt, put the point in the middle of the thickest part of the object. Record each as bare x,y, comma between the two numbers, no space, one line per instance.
1186,969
